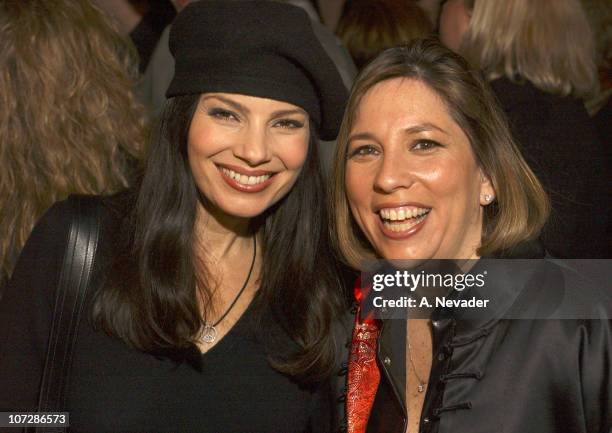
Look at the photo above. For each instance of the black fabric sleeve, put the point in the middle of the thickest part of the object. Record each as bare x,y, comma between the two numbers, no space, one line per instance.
26,310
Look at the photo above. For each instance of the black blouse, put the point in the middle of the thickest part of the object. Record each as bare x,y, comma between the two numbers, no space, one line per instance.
113,387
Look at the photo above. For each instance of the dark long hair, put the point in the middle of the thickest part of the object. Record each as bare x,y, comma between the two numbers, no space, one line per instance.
150,300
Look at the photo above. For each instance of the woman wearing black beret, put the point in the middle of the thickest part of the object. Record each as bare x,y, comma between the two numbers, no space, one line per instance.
211,297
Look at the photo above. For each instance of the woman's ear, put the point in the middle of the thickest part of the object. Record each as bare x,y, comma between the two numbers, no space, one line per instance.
487,192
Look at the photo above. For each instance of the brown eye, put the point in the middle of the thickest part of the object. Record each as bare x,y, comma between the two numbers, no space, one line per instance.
425,145
219,113
364,151
289,124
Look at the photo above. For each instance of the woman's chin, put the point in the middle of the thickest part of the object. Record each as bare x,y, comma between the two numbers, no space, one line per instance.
227,209
409,244
245,212
416,256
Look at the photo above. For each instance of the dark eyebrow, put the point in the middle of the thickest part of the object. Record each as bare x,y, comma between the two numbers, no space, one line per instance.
281,113
238,106
235,105
424,127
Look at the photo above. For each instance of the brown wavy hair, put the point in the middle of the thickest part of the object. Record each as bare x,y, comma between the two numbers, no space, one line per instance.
69,122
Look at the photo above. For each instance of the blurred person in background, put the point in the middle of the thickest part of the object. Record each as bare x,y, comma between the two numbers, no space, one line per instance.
142,20
540,60
369,27
69,122
331,11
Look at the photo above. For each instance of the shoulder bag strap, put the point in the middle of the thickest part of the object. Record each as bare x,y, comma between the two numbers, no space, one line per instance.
69,303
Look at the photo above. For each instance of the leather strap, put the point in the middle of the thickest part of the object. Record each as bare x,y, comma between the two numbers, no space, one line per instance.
69,302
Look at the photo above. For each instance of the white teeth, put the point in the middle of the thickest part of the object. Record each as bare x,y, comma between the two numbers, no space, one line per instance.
401,214
244,179
401,227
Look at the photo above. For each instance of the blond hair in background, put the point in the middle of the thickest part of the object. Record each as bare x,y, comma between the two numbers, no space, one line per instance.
69,122
547,42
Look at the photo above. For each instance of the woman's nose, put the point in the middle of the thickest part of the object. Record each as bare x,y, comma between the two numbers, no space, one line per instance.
393,173
254,146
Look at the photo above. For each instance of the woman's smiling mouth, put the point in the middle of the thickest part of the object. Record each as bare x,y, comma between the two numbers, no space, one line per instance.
245,180
402,221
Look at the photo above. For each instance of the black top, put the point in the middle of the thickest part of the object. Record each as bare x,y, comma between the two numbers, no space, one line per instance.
560,143
114,388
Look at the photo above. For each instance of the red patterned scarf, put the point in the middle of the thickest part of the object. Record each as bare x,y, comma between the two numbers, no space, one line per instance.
363,373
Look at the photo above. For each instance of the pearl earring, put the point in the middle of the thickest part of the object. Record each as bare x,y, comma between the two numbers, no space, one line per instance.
488,197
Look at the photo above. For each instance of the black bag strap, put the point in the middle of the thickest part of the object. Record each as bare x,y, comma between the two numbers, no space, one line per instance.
69,302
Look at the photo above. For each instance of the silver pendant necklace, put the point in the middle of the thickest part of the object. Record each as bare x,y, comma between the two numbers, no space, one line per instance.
422,384
209,332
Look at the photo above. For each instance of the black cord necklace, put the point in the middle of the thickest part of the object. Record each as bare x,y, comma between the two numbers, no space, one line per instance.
209,332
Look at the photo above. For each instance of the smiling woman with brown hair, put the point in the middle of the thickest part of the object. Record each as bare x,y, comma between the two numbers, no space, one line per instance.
426,170
518,206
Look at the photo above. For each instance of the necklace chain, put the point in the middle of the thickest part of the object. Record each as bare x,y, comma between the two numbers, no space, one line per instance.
422,383
209,333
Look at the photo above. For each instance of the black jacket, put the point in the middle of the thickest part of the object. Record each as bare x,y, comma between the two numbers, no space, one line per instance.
492,374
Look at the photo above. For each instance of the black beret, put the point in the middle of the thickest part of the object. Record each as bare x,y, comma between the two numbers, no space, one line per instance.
256,48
